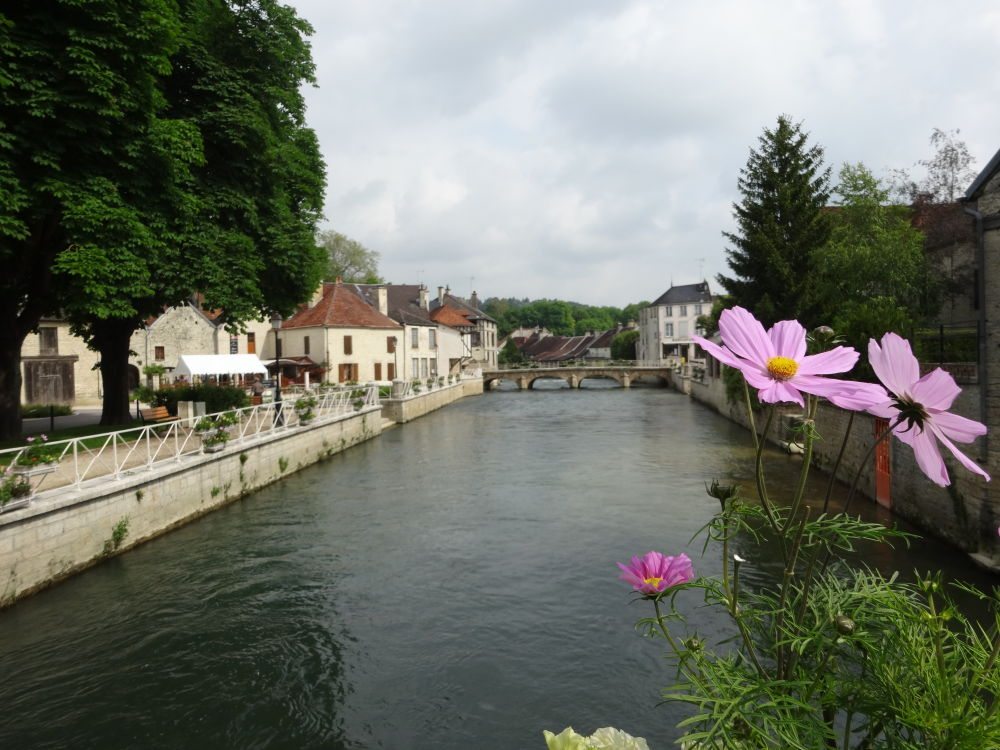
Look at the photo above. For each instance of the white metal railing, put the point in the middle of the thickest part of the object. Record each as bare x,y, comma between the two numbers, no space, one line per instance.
128,452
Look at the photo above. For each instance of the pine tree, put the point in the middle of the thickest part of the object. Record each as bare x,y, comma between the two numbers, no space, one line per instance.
780,224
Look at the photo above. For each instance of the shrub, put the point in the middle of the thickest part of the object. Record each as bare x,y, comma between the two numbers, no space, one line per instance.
30,411
216,397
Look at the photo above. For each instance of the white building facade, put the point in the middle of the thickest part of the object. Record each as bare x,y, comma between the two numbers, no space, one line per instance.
667,325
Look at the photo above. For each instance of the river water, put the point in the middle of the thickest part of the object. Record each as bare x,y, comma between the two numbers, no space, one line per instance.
451,584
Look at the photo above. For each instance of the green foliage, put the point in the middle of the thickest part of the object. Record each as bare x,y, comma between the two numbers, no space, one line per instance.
623,345
216,397
872,275
510,354
119,532
559,317
947,174
13,487
780,224
30,411
152,370
348,259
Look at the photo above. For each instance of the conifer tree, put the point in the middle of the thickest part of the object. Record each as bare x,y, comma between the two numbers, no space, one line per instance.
780,223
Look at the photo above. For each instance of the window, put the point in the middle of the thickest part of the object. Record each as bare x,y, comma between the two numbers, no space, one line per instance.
697,309
423,368
392,370
684,311
48,341
415,371
378,370
434,368
668,310
682,329
234,344
305,345
432,338
474,338
415,338
348,345
669,331
347,373
390,344
251,343
159,354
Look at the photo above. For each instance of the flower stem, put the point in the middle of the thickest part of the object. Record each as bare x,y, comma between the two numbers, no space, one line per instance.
836,464
806,461
759,476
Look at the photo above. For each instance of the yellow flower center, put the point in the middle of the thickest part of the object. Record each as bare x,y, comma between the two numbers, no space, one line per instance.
654,582
782,368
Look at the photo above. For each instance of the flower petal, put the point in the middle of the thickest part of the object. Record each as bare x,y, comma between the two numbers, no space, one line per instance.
958,428
847,394
884,409
778,391
894,363
789,339
967,462
745,336
936,390
836,360
725,356
928,456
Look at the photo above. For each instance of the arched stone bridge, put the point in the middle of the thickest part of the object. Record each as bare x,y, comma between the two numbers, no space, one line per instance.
624,375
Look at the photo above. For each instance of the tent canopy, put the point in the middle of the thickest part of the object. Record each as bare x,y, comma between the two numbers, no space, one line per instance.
218,364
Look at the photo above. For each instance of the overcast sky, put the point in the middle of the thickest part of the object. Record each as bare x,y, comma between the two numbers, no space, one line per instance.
589,149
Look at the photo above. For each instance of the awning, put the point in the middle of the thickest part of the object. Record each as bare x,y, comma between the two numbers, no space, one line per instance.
218,364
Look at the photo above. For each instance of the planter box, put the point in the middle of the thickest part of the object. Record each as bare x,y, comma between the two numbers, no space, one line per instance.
34,471
214,447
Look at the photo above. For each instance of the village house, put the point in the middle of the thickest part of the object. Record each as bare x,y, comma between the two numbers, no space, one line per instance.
667,325
58,368
482,339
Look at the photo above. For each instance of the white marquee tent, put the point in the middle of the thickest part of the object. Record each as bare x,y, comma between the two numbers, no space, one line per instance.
190,365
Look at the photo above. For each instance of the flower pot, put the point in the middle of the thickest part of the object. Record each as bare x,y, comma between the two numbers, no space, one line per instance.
213,447
34,471
305,421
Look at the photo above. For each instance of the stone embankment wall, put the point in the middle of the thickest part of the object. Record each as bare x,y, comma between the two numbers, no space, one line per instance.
402,410
959,514
65,531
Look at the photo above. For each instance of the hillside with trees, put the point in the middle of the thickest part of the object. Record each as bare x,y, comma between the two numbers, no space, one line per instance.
559,317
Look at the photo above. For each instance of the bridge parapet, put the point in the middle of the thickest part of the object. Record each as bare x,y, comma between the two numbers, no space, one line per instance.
623,374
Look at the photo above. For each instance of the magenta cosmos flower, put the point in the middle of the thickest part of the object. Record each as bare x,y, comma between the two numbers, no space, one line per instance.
920,407
655,572
775,362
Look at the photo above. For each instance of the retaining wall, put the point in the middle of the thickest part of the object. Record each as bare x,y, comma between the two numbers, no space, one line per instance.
402,410
64,531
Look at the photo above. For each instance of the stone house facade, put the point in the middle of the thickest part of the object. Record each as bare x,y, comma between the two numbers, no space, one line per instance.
667,325
58,368
482,337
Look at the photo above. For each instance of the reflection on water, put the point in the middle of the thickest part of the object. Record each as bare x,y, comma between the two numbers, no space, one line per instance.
449,585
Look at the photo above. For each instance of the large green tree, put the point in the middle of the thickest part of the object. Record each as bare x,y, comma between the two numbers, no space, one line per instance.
780,224
348,259
157,148
872,275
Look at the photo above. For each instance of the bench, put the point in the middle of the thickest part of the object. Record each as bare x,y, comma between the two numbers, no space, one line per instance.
157,414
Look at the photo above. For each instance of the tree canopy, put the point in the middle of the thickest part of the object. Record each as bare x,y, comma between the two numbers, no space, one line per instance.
946,174
149,150
780,224
559,317
348,259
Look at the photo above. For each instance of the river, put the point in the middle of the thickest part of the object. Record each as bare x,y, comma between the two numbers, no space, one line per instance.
451,584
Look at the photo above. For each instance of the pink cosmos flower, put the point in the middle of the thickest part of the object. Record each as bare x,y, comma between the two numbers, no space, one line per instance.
920,405
654,572
775,362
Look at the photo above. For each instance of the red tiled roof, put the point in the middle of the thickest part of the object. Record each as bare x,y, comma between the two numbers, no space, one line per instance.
450,316
340,307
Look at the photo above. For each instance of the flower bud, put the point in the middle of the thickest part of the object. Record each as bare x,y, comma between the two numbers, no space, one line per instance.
722,492
844,624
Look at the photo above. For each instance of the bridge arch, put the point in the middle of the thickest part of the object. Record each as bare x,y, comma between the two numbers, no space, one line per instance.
601,376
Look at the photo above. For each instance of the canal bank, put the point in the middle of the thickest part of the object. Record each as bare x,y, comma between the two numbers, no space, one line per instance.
69,529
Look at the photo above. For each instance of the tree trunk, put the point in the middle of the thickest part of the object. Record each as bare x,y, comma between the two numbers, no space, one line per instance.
10,386
111,338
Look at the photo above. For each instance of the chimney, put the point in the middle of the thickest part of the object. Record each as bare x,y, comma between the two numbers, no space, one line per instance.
474,300
383,300
317,295
423,296
440,295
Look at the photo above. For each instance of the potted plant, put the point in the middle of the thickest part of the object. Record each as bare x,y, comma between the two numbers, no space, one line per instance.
214,431
416,386
37,458
441,380
359,404
305,407
15,491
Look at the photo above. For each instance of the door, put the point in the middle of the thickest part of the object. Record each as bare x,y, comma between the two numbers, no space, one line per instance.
883,473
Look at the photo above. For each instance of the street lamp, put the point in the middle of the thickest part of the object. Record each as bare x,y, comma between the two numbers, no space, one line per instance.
276,325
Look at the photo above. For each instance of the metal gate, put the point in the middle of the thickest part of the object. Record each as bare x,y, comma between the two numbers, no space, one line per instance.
883,472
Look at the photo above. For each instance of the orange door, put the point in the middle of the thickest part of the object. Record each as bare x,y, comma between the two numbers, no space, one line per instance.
883,474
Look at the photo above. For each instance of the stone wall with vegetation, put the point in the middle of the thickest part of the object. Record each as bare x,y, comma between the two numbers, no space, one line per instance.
71,530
